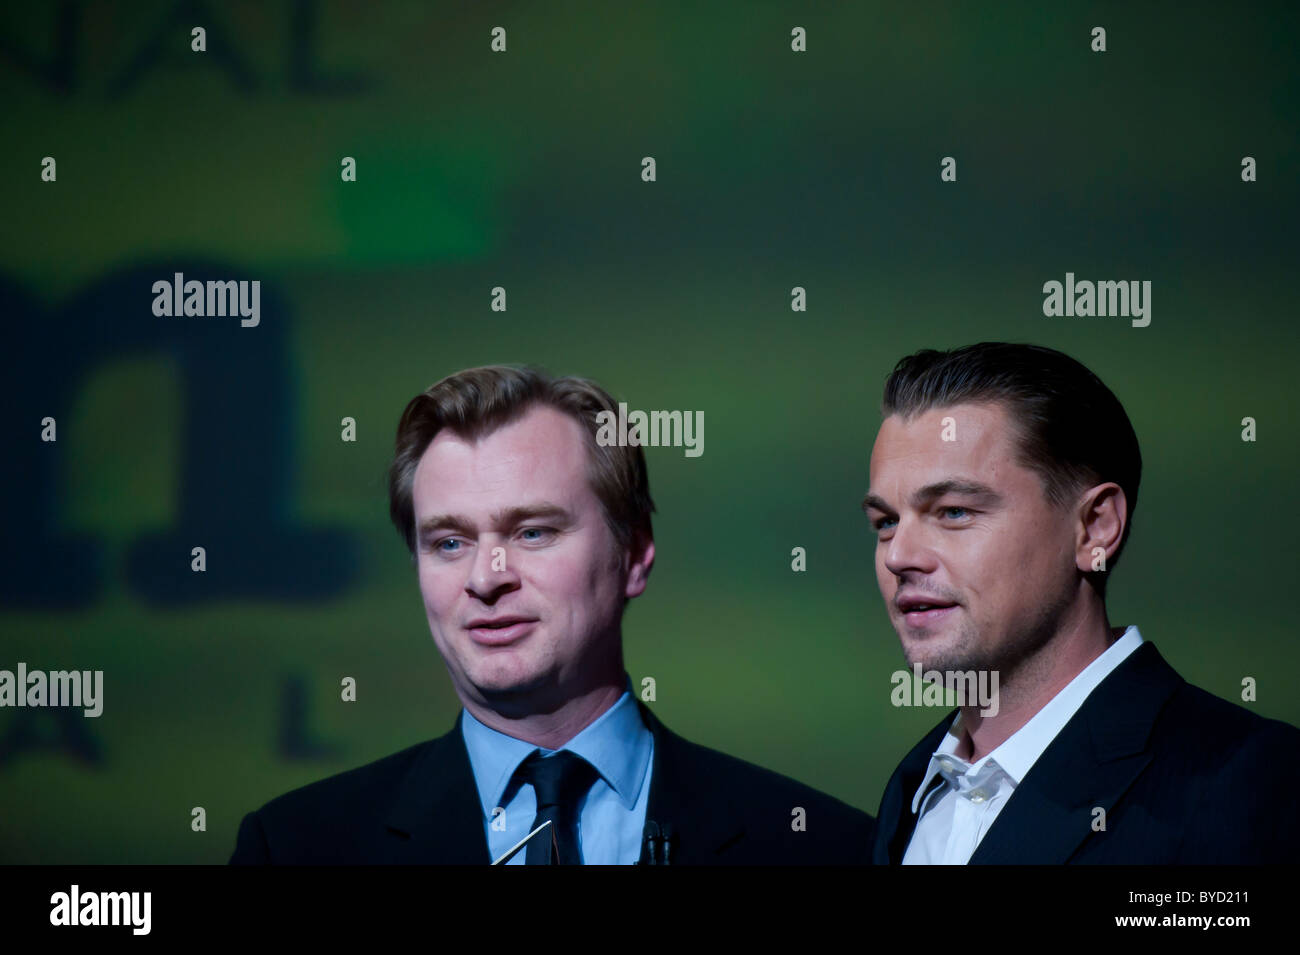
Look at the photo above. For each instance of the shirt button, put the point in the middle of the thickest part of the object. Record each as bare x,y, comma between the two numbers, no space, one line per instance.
978,795
946,764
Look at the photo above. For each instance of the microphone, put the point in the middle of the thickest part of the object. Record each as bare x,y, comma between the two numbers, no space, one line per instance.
656,845
650,843
669,835
510,853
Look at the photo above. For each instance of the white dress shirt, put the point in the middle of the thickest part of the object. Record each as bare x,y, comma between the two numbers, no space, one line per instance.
958,811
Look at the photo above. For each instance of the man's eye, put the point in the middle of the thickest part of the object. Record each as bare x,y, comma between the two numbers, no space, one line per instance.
880,525
536,534
955,508
448,545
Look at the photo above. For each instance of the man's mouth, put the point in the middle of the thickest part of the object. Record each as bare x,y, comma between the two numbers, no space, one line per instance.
928,615
497,631
921,610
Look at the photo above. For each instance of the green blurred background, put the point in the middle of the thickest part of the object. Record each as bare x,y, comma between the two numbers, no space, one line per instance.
522,169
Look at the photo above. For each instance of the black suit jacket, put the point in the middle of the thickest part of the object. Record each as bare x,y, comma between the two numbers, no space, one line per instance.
421,806
1184,777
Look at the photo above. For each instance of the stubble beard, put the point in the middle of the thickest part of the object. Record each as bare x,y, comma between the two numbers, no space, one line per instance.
971,651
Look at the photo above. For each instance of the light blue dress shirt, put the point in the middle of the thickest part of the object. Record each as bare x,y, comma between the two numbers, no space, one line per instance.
611,818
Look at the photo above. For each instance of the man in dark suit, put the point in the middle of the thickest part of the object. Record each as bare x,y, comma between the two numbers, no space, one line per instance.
529,532
1003,483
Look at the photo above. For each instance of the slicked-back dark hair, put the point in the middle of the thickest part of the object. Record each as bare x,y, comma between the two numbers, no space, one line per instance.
1070,428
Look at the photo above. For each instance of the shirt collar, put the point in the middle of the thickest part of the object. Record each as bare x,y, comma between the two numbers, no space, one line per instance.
617,743
1018,753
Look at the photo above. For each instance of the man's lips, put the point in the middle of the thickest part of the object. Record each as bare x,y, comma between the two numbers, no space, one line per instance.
923,618
498,631
921,610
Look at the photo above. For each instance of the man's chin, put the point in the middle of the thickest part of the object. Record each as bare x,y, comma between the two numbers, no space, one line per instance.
920,651
507,686
512,691
933,655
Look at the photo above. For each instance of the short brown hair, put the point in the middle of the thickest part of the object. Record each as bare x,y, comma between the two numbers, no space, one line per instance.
475,402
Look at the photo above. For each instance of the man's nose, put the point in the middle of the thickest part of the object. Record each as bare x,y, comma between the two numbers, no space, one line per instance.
491,573
909,548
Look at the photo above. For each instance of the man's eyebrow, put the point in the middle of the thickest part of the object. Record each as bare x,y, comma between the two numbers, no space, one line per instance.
543,510
962,486
502,518
449,522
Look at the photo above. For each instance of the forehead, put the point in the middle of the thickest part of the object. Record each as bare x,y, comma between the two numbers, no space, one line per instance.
913,453
541,455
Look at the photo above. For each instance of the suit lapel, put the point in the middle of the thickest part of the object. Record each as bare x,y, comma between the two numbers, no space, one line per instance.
437,816
895,821
1091,763
685,795
437,810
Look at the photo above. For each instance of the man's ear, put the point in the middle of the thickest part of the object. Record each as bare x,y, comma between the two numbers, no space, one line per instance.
641,558
1102,513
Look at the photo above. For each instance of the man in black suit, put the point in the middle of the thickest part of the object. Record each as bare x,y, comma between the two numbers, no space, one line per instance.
1003,483
530,531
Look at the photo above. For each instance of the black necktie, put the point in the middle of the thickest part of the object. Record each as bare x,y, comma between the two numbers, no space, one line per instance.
559,782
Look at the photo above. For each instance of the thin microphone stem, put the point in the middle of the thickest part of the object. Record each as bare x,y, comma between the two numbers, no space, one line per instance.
510,853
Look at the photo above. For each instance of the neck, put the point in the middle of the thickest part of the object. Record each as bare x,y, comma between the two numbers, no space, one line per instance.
1029,685
551,730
